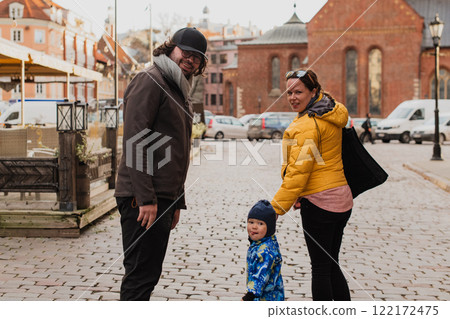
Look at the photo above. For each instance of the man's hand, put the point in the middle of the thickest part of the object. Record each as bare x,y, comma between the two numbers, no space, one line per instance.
176,218
147,214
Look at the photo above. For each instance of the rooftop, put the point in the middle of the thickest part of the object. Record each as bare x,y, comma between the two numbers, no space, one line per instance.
293,31
428,9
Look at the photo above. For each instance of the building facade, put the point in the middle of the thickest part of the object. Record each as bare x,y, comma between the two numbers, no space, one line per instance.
47,27
258,78
369,55
384,58
223,41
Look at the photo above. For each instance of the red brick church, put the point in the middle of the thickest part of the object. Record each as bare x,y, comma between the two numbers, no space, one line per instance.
370,55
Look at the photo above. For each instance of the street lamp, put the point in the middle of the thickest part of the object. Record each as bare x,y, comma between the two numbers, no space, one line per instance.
65,117
436,28
81,121
111,117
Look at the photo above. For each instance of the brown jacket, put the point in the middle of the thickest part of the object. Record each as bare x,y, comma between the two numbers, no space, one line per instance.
157,117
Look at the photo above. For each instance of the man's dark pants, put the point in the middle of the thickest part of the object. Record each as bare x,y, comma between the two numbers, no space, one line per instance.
143,256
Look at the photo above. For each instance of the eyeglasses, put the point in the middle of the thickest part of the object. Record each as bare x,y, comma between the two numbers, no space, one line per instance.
195,57
297,74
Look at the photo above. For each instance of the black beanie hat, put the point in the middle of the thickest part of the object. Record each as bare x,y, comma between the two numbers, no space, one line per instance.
190,39
264,211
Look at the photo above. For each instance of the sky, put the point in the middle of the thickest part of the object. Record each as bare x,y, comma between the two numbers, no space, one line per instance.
134,15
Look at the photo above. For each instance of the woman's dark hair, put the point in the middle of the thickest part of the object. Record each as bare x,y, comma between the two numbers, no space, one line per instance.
311,82
168,46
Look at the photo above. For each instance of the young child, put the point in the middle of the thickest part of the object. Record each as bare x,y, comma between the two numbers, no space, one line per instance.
264,281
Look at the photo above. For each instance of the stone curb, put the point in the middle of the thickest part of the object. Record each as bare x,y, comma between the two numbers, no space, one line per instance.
429,176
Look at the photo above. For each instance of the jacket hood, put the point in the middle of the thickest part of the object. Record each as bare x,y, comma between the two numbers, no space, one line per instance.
328,110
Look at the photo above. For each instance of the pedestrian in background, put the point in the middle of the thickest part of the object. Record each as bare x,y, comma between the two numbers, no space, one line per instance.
367,126
264,281
149,199
314,180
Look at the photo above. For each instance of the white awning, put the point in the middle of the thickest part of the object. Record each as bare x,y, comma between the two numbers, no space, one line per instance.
38,63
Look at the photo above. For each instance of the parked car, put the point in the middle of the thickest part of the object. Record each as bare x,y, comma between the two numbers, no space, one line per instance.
425,132
208,113
270,125
406,116
222,126
246,118
357,124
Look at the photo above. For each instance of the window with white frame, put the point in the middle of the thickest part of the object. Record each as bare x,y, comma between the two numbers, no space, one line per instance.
17,35
16,10
40,89
39,36
16,92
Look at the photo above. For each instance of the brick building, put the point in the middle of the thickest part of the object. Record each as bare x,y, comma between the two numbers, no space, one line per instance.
258,78
386,57
105,62
369,55
223,41
47,27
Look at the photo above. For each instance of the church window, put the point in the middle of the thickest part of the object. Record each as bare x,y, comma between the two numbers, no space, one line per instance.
375,69
351,83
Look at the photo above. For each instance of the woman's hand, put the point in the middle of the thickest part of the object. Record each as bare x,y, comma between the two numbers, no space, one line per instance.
297,204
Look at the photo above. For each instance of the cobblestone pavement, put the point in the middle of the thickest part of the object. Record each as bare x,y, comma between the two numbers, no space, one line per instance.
395,246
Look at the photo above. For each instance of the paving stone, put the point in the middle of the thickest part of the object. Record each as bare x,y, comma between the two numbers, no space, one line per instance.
395,247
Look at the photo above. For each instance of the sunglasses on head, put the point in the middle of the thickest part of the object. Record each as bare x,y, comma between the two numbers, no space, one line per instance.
297,74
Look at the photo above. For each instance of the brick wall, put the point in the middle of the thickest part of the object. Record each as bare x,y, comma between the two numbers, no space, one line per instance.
389,25
254,77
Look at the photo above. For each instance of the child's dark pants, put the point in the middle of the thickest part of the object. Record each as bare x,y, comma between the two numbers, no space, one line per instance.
323,234
143,261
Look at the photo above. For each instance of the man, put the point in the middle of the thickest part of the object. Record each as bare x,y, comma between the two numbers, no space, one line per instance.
367,126
153,168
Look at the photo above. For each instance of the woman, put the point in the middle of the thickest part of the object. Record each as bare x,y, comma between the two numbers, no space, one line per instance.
314,180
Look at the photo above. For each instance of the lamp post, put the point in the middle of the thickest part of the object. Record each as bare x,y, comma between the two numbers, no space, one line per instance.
150,41
112,123
116,59
65,125
80,116
436,28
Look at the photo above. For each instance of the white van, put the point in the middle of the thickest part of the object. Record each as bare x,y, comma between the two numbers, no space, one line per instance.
36,112
407,115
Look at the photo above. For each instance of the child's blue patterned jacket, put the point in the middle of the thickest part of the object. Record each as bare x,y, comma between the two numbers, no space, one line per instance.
264,269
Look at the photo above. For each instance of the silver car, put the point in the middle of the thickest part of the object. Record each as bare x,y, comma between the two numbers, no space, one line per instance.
222,126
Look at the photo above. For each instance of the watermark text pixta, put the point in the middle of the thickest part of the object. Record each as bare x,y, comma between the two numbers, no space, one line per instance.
228,152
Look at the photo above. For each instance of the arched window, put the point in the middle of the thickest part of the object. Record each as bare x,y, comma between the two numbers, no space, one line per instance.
375,81
351,83
275,73
444,85
295,63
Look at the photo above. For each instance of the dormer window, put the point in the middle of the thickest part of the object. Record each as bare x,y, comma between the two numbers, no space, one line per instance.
16,10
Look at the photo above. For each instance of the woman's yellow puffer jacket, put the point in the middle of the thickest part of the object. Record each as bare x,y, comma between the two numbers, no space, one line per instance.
312,160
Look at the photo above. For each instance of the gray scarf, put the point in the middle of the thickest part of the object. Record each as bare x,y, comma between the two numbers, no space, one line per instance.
173,71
